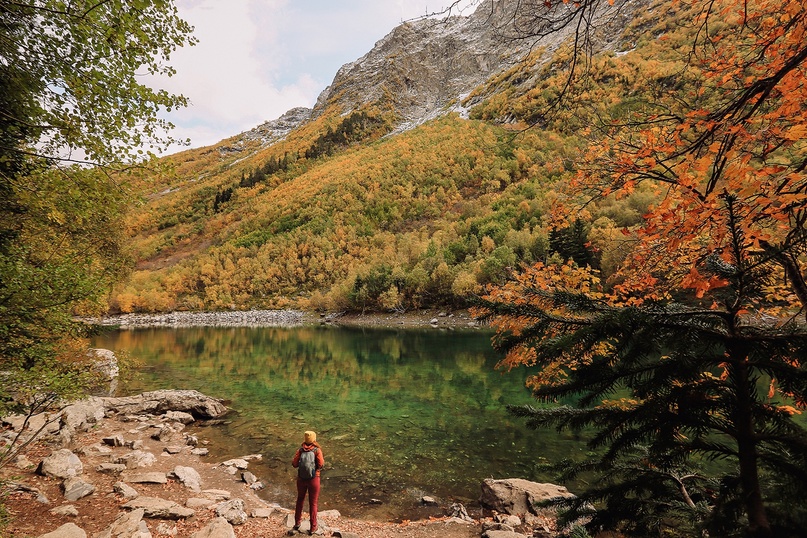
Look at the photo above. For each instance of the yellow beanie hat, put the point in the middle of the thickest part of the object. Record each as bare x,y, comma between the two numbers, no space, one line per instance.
310,437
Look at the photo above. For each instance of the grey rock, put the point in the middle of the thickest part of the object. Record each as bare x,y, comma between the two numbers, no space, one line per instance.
114,440
164,529
161,401
179,416
76,488
218,528
127,525
272,131
125,490
20,486
141,477
61,464
136,459
232,511
330,514
66,510
503,534
505,519
257,486
173,449
217,494
80,416
493,526
68,530
428,501
83,414
200,451
517,496
105,363
46,422
458,511
238,463
163,434
110,468
154,507
249,478
188,476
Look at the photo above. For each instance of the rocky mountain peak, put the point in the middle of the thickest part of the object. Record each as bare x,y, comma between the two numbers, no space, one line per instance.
424,65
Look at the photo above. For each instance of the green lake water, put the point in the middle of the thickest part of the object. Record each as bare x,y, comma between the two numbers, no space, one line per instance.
399,413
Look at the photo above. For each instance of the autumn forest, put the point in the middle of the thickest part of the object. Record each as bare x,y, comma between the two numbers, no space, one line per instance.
625,206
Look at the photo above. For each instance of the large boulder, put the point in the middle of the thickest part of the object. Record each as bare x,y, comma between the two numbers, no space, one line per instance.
161,401
517,496
105,369
61,464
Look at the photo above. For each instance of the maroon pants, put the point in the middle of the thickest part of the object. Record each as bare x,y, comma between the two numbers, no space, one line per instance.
312,488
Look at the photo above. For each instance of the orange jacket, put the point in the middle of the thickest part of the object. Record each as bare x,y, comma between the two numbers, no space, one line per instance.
295,462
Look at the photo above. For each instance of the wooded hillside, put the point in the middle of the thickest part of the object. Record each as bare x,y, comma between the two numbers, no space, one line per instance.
344,215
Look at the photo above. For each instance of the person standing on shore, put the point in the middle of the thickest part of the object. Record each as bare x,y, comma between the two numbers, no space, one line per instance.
308,460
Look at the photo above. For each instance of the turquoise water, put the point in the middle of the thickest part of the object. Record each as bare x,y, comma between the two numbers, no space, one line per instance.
399,413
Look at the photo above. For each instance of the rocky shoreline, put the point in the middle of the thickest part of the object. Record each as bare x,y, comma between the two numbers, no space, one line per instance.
246,318
459,319
138,467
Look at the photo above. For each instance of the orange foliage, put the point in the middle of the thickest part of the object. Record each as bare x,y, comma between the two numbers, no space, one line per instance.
738,132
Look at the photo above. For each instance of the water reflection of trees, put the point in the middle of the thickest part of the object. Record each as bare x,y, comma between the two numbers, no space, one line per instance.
338,358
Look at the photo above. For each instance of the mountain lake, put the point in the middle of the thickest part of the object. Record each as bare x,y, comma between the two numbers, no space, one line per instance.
400,413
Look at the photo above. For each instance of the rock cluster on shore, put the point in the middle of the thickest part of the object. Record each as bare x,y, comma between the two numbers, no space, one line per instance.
128,468
144,451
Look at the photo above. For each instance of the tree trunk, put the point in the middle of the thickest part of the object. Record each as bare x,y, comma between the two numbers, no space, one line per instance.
758,524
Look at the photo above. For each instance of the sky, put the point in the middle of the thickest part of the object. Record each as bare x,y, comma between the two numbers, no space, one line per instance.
256,59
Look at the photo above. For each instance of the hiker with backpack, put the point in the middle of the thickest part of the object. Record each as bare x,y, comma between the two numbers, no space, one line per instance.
308,461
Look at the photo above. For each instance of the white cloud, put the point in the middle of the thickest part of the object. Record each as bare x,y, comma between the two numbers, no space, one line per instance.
256,59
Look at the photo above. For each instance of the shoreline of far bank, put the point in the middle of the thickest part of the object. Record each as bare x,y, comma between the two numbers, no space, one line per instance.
427,318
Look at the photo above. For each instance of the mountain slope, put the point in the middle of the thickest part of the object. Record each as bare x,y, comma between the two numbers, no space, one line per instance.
343,208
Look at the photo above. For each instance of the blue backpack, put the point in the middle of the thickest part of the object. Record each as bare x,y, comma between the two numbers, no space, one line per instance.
307,468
